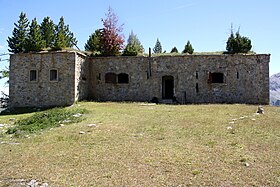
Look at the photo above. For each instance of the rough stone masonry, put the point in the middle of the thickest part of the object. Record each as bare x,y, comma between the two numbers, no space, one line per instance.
61,78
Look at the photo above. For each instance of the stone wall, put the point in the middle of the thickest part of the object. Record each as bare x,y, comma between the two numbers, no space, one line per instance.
138,88
245,78
42,92
188,78
81,77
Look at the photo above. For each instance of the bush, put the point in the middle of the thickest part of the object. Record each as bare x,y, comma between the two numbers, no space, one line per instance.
174,50
46,119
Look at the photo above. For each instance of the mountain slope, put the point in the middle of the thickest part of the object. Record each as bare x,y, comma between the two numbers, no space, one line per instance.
274,89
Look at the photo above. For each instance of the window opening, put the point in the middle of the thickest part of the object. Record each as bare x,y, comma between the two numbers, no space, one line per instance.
196,74
237,75
53,75
215,77
196,88
123,78
33,75
110,78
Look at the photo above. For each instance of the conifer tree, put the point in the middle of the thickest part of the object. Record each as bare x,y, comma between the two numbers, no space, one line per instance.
238,44
70,39
158,47
174,50
48,31
188,48
34,40
93,43
133,47
112,40
60,40
63,37
17,41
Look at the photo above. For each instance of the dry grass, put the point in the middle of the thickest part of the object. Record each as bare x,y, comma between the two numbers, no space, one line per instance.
134,144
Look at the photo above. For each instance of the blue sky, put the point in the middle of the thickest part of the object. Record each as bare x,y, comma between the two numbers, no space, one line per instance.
205,23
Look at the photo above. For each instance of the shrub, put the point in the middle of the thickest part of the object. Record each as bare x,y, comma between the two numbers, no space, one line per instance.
46,119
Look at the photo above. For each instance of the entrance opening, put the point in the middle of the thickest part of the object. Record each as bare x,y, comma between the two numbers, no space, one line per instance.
167,87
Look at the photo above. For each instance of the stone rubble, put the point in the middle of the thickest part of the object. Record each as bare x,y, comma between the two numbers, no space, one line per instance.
3,125
92,125
35,183
260,110
77,115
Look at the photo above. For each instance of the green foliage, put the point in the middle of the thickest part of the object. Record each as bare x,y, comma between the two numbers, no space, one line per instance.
34,40
45,119
35,37
133,47
238,44
111,40
60,40
188,48
4,73
158,47
48,31
174,50
16,42
64,37
93,43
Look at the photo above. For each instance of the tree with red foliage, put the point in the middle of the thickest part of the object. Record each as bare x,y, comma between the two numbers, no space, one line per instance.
111,40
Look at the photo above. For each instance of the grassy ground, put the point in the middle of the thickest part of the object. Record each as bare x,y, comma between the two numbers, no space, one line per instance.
137,144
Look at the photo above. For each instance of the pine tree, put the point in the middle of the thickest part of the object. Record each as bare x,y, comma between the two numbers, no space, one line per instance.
48,31
174,50
188,48
63,37
34,40
70,39
133,47
158,47
17,41
238,44
112,41
93,43
60,40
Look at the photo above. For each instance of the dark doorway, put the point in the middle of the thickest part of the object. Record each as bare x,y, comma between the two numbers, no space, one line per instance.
167,87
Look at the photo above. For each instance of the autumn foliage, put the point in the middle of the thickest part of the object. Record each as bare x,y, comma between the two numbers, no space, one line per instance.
112,39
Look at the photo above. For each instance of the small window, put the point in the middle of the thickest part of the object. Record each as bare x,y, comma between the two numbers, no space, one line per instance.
196,74
237,75
123,78
53,75
215,77
110,78
33,75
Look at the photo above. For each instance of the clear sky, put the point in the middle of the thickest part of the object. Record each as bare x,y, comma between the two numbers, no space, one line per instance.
205,23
